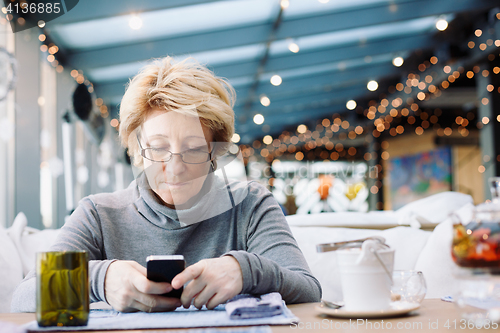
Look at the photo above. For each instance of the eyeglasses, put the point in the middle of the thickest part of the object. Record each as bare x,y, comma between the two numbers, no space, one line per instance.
190,156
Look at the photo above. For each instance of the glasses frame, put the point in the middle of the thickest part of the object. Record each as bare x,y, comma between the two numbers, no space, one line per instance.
143,154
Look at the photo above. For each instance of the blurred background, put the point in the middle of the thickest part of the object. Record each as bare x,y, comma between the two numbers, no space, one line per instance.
351,105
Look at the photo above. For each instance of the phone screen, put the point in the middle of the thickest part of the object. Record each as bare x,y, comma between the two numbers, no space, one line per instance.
163,268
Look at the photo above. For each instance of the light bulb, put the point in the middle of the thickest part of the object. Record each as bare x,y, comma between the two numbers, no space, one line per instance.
441,24
351,105
276,80
258,119
135,22
293,47
398,61
264,100
372,85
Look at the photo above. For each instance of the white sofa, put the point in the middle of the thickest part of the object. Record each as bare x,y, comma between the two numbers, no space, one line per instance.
18,245
427,251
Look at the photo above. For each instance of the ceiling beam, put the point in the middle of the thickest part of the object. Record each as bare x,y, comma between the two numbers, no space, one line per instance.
259,33
275,64
89,10
302,101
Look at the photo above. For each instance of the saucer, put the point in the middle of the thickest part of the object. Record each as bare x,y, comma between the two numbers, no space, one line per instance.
396,309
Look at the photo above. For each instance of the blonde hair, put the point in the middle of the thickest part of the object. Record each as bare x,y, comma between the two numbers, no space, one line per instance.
186,87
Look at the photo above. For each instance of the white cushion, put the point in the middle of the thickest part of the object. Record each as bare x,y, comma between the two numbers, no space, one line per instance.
436,262
28,241
432,209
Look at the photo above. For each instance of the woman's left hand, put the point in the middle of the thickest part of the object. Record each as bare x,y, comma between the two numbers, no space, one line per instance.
213,281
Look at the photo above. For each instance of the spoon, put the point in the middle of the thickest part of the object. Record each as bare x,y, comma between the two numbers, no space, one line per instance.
335,246
332,305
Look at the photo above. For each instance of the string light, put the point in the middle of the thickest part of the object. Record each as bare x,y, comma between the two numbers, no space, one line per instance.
301,129
235,138
325,129
264,100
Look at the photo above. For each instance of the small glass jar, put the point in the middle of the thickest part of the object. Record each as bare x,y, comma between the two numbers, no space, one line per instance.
408,287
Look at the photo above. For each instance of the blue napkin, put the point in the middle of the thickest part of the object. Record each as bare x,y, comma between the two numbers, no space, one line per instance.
250,306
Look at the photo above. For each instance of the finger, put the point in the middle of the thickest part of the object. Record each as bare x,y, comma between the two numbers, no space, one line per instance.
150,287
167,303
203,297
219,298
191,291
190,273
154,303
145,286
136,305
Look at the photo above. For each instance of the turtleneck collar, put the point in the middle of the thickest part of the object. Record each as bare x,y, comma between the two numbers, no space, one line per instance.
214,198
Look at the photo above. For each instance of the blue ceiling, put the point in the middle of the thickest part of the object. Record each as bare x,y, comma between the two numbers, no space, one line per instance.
342,45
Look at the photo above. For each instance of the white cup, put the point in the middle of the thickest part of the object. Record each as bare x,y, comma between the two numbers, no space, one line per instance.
366,284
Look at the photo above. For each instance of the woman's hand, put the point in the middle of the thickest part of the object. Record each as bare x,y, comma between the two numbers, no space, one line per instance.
213,281
128,289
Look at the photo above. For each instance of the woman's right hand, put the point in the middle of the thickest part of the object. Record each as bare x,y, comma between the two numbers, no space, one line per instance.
127,289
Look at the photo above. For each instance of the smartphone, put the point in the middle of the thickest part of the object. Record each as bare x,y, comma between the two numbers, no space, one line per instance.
163,268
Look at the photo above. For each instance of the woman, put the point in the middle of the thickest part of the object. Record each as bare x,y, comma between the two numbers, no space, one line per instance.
176,120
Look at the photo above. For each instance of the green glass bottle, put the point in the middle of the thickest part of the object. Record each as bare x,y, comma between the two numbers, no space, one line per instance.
62,288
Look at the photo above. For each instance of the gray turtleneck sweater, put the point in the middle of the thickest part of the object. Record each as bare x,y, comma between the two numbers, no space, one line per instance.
242,220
